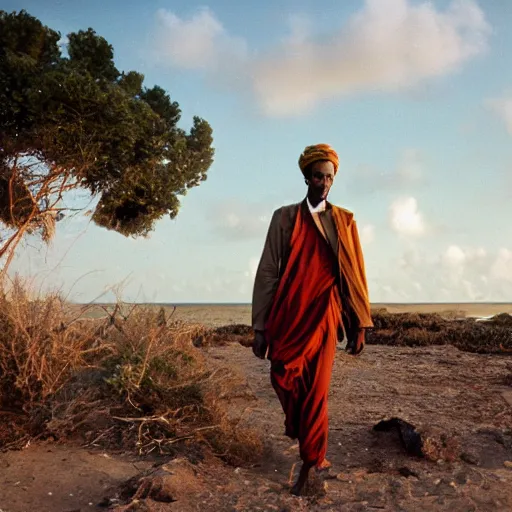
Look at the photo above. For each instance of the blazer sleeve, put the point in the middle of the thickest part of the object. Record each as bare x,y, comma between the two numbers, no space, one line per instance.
361,295
359,259
267,274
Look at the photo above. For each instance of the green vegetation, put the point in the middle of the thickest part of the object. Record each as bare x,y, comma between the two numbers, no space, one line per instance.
75,122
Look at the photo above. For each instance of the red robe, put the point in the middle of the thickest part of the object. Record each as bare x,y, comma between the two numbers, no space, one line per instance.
302,331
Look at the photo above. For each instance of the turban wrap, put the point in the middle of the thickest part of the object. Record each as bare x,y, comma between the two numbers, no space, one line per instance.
318,152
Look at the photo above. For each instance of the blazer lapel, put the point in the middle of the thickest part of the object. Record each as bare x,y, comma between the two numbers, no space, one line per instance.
330,229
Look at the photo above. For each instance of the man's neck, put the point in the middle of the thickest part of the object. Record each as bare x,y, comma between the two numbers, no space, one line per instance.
314,202
316,206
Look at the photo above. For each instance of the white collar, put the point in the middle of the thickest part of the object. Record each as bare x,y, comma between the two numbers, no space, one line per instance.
320,207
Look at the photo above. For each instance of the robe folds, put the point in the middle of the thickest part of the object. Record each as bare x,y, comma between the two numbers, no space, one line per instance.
302,331
341,231
310,288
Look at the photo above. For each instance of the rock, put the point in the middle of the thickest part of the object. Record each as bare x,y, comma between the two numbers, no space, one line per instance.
174,481
461,477
432,444
158,487
410,438
373,497
406,472
396,484
469,458
440,446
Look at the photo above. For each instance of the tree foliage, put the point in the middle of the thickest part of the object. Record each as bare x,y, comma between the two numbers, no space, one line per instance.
76,121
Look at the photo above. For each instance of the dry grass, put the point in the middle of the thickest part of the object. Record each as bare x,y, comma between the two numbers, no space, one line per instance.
41,345
132,379
218,336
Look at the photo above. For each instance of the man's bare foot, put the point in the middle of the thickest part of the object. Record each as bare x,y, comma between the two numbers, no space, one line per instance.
303,478
324,465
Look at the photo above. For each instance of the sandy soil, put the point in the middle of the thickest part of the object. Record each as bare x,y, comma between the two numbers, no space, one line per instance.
438,389
49,477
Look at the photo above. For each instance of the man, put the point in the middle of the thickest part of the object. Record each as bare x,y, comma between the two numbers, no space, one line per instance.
310,287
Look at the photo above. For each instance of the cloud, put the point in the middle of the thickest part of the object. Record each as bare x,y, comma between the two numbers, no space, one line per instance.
454,257
367,234
465,273
386,46
234,220
409,172
503,108
253,267
457,263
502,266
200,42
410,168
456,274
405,217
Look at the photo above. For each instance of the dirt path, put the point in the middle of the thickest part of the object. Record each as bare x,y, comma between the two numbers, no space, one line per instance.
50,477
439,389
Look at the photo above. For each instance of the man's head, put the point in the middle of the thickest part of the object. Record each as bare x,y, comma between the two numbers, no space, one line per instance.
319,165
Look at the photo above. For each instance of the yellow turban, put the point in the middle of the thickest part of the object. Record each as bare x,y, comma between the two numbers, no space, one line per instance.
318,152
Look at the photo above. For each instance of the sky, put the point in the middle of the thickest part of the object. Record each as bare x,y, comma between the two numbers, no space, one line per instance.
416,97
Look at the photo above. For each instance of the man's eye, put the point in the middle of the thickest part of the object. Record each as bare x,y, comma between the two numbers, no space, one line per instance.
320,176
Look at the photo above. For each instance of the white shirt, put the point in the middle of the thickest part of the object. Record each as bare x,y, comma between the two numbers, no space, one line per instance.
320,207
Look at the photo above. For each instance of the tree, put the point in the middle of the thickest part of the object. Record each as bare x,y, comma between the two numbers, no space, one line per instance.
76,122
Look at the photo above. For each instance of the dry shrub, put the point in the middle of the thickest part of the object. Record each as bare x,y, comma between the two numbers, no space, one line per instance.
40,347
235,441
423,329
159,395
132,379
218,336
502,319
417,337
400,321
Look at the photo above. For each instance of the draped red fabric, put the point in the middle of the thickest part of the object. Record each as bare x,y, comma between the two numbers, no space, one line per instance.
302,332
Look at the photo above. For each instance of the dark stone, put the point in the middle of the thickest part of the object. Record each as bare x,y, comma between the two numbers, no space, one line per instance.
410,439
461,477
469,458
406,472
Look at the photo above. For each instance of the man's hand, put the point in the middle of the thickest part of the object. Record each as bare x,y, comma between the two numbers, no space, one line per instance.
260,344
356,345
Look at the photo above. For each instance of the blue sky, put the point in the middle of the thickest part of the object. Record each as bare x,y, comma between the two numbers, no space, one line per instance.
416,98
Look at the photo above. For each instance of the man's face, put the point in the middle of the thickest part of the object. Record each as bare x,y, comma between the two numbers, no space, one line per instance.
322,177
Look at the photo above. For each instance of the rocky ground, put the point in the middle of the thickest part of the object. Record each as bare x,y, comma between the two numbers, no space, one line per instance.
459,402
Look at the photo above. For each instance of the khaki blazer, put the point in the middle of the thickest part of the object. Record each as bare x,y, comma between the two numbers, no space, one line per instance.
341,233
